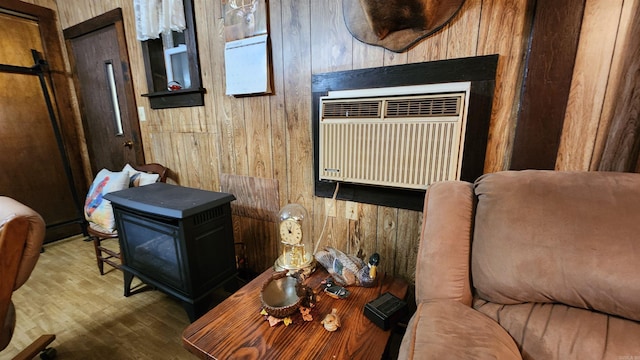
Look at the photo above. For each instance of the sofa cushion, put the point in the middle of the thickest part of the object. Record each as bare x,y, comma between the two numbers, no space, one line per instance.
447,329
567,237
557,331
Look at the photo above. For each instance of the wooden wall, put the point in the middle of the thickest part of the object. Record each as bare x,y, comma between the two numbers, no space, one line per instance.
601,123
270,136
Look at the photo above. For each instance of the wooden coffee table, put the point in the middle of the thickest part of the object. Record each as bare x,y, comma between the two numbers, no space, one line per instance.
235,328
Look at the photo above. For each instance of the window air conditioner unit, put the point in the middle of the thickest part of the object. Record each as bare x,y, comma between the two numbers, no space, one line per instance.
405,137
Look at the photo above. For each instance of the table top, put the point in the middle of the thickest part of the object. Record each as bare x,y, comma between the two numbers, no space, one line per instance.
235,328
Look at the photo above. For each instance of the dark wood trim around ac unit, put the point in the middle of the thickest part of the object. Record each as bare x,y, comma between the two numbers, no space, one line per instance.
480,71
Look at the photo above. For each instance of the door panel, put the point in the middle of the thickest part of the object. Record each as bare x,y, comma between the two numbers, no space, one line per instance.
32,165
105,95
33,168
18,36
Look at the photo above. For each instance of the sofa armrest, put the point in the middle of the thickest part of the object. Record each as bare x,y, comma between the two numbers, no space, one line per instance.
442,268
450,330
21,229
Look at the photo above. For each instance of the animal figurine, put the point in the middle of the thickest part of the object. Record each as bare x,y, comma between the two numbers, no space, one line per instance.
304,291
333,290
331,322
348,270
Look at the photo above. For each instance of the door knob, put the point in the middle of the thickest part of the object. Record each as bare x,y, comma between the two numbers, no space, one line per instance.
128,144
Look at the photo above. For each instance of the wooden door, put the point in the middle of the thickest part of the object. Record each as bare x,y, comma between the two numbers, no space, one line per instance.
35,167
100,61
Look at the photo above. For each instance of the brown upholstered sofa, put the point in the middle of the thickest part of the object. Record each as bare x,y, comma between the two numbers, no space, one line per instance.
529,264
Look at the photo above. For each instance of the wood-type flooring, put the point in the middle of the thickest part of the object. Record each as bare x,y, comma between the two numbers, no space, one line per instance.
88,313
90,316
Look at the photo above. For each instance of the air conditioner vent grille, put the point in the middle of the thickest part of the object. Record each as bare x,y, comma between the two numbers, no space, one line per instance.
411,155
423,107
393,138
344,109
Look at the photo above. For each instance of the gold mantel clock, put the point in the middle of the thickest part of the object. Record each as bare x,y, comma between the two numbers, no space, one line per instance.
296,243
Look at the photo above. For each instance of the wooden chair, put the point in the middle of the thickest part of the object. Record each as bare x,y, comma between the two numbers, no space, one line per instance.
110,256
22,232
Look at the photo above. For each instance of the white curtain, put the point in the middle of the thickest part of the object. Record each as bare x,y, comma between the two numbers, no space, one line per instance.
154,17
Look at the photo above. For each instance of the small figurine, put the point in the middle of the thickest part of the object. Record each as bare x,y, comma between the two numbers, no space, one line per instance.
331,321
348,270
333,290
303,291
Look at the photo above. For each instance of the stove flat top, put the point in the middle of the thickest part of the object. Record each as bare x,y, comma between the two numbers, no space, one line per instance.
169,200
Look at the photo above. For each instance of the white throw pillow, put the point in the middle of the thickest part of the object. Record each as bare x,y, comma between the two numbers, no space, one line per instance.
97,209
139,178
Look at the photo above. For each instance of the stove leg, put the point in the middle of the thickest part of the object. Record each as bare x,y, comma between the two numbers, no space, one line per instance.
196,309
128,277
191,311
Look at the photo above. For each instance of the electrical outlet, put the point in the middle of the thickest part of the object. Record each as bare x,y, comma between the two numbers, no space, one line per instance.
351,210
330,207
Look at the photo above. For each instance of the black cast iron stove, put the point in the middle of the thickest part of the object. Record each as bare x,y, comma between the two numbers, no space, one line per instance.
177,239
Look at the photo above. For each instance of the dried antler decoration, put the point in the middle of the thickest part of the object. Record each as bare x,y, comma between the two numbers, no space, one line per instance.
397,24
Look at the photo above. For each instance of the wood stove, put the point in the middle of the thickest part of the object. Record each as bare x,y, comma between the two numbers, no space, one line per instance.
177,239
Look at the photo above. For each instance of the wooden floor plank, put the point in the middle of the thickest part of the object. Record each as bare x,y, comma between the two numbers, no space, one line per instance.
36,347
88,313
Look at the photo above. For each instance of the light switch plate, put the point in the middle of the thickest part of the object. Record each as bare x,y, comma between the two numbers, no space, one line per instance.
142,116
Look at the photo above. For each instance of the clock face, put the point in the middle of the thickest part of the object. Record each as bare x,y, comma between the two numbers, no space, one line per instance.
290,231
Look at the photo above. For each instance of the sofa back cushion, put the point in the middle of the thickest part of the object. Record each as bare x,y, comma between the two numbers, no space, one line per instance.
567,237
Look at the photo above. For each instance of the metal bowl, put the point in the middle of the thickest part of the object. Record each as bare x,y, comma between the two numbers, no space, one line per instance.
279,295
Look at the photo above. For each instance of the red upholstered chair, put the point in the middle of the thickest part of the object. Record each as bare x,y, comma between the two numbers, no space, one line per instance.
22,232
98,235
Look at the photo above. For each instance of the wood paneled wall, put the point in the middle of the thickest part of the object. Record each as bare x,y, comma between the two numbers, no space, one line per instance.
270,136
601,123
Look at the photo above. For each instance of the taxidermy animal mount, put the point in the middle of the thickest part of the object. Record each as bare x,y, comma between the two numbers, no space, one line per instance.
397,24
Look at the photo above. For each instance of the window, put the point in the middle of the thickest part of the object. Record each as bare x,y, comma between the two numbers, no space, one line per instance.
172,67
